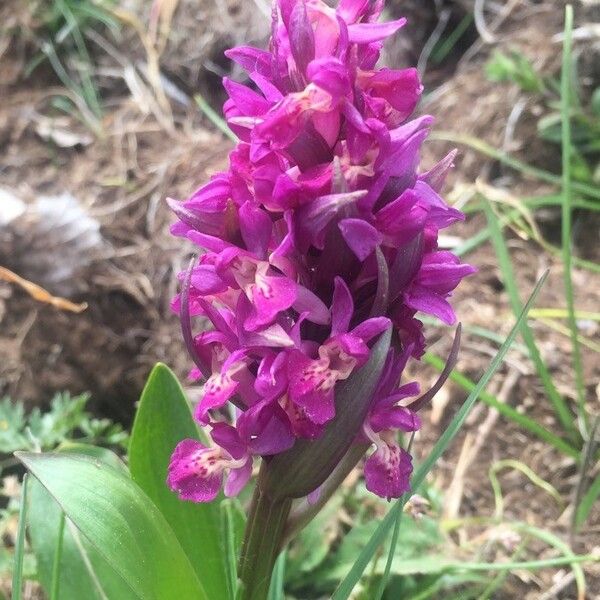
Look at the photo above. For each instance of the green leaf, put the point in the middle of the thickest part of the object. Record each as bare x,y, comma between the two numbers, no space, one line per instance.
103,454
82,571
567,214
313,544
121,522
164,419
346,586
276,591
233,523
17,579
413,554
559,404
514,67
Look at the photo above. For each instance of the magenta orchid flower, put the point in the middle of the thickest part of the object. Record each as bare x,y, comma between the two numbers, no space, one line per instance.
319,239
196,472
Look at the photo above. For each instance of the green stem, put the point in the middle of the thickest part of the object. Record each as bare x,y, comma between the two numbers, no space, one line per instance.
305,512
262,542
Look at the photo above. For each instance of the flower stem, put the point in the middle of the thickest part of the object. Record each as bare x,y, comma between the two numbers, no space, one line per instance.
262,542
305,512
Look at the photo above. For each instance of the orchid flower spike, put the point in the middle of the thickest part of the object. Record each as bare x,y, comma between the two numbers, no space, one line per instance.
321,235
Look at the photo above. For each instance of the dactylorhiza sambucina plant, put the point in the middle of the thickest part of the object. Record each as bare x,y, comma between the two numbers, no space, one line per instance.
319,246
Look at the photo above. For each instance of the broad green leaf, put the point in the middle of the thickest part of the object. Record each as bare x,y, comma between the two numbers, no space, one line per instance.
415,552
313,544
83,572
164,419
121,522
104,454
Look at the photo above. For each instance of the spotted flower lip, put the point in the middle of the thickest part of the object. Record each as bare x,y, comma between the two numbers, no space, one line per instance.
196,471
320,236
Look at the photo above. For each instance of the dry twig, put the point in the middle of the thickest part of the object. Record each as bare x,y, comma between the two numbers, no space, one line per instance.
40,294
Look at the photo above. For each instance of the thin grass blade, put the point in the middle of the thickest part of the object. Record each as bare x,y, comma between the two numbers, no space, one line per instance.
345,588
214,117
585,501
17,580
502,157
276,591
560,406
505,410
55,588
567,184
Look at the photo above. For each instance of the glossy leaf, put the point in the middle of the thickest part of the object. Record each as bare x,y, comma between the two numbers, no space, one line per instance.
121,522
82,571
164,419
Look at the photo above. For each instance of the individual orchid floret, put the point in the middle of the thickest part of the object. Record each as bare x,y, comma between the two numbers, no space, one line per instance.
196,471
388,469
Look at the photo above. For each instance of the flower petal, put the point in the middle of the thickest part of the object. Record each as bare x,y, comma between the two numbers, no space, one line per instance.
342,307
361,237
188,476
366,33
237,479
387,471
266,428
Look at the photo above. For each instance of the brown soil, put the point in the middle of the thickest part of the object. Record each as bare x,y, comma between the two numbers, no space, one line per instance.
149,150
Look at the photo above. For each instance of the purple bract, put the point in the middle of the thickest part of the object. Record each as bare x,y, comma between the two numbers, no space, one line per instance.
320,236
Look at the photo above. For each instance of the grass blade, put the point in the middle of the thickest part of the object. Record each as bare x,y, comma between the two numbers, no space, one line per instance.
502,157
388,565
585,502
569,557
276,591
345,588
565,112
214,117
498,581
228,540
57,558
530,565
17,581
535,479
505,410
560,406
